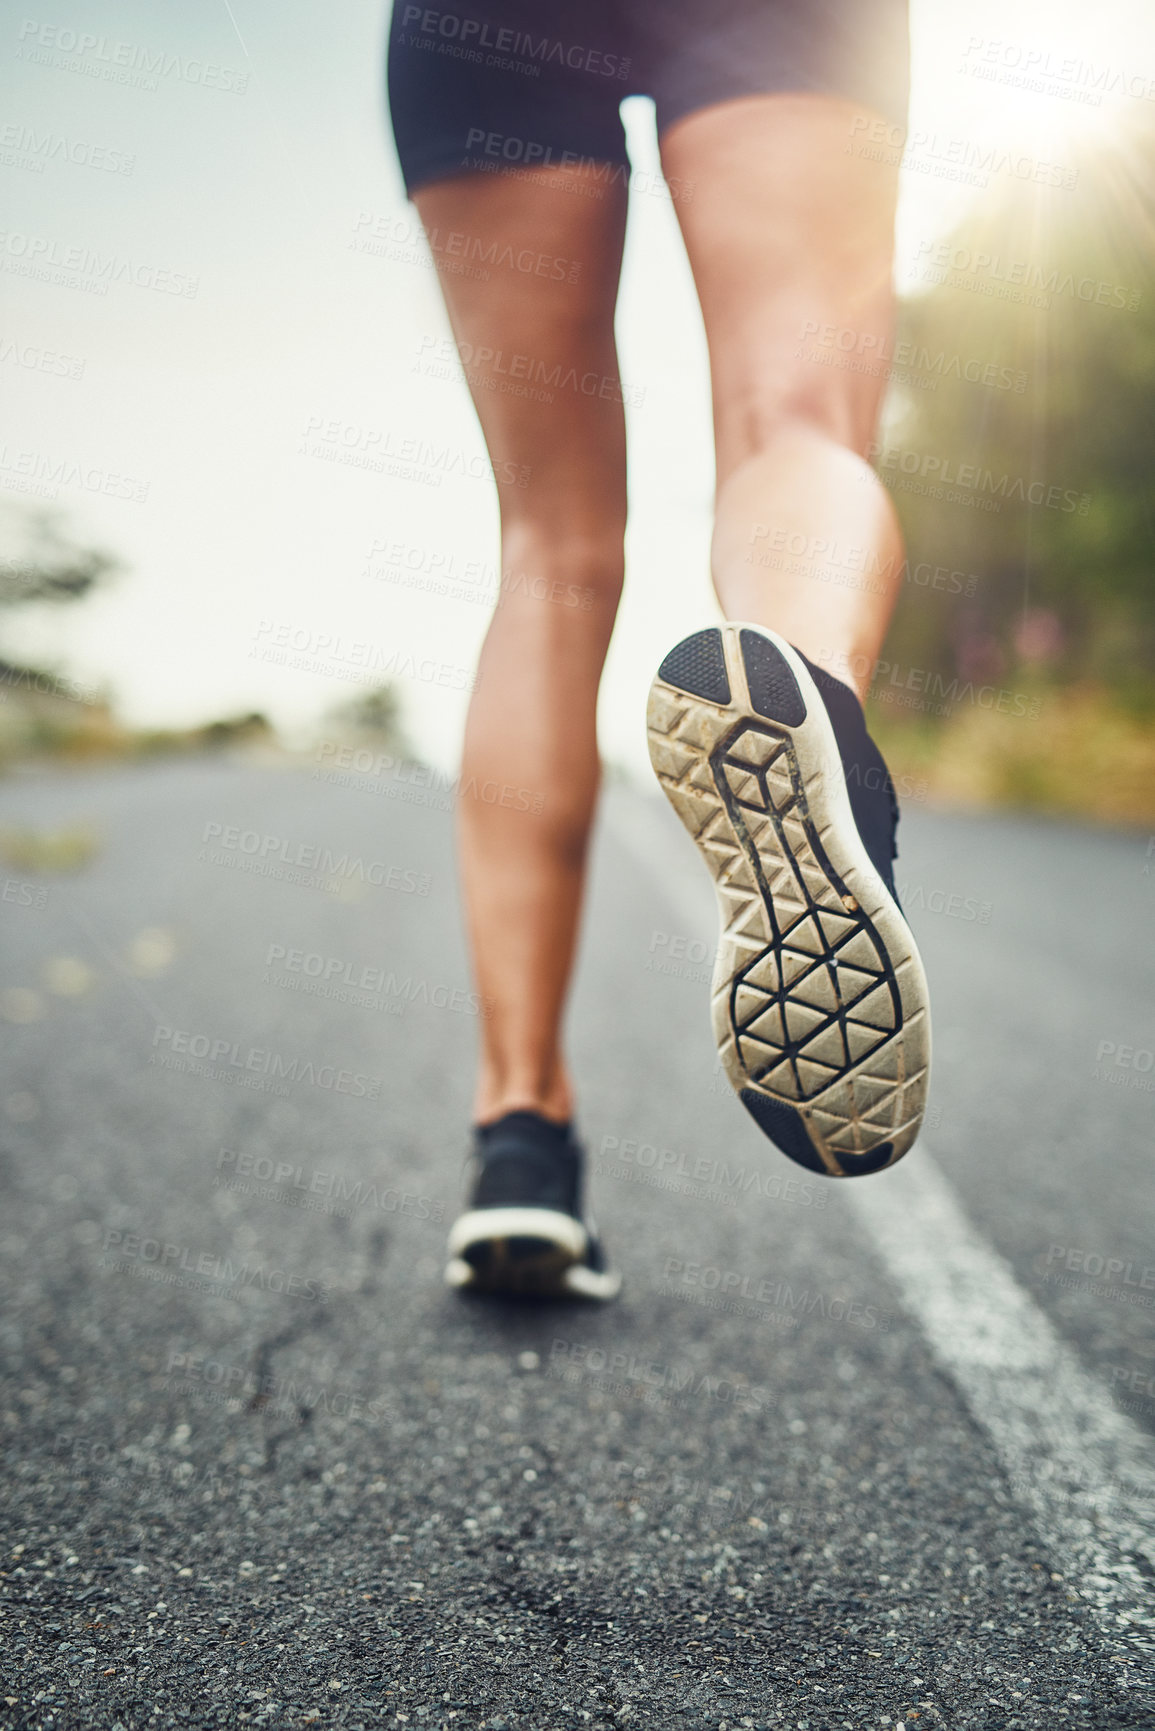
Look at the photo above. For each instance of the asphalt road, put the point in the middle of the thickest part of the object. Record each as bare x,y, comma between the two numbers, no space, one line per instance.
260,1467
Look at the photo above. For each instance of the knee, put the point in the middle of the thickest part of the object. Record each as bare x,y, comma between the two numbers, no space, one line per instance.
792,407
783,388
579,567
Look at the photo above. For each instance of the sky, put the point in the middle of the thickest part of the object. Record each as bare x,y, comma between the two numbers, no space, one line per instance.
220,416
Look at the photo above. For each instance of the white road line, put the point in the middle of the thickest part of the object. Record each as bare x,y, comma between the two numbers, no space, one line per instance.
1080,1467
1083,1472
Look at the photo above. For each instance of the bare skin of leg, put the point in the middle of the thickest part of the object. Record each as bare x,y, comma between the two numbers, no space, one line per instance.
784,228
788,233
531,724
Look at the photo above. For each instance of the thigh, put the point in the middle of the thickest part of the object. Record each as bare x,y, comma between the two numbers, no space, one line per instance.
790,235
529,263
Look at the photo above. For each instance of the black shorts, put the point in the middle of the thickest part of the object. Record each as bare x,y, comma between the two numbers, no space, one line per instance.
482,85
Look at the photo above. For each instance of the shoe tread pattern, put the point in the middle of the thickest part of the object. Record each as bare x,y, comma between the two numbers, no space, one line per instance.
698,665
770,681
807,995
821,995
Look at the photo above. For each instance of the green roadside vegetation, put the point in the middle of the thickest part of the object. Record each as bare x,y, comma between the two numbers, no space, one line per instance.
1019,450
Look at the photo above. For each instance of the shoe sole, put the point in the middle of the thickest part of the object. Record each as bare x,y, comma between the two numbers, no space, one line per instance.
819,1000
528,1252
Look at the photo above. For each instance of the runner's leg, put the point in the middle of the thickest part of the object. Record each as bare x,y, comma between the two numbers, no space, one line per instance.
531,724
787,234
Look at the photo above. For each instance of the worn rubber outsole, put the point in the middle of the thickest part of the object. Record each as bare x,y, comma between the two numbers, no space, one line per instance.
819,1000
528,1252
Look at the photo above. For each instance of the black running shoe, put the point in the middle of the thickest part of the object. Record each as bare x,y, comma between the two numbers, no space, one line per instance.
819,998
523,1231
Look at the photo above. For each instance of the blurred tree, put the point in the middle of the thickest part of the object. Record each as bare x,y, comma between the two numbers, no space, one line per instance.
235,730
377,712
1021,434
41,562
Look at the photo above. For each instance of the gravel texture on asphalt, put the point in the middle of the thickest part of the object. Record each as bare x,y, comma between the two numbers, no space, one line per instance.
261,1467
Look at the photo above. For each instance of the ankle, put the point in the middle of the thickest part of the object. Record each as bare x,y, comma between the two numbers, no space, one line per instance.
552,1101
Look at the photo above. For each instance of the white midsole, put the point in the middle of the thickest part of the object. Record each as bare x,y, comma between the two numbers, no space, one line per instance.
480,1225
575,1279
